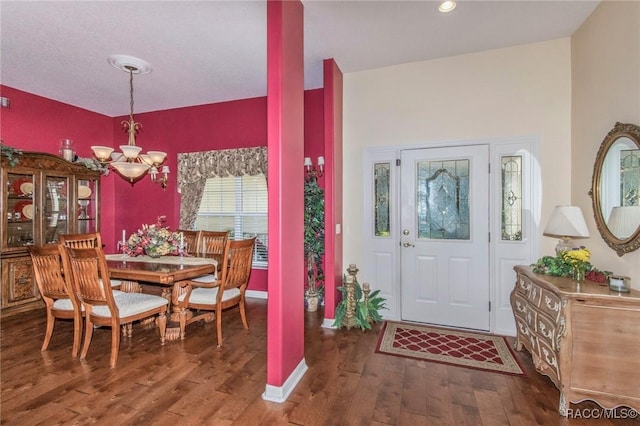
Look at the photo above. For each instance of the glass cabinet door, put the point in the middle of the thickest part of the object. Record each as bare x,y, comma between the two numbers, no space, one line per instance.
87,208
56,208
20,210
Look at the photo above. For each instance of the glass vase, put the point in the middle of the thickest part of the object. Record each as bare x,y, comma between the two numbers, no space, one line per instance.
578,273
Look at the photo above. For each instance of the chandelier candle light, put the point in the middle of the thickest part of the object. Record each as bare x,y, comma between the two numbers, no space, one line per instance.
129,163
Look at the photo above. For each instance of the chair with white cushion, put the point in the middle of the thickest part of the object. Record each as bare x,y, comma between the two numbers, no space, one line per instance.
56,291
214,297
190,239
85,240
103,307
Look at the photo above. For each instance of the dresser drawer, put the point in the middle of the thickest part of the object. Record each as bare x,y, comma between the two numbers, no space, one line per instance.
550,303
526,335
547,331
550,360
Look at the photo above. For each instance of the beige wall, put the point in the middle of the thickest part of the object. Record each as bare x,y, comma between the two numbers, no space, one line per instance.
510,92
606,88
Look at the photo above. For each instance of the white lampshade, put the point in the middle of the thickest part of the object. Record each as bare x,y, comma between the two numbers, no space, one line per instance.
130,151
102,153
566,222
157,157
131,171
624,221
307,161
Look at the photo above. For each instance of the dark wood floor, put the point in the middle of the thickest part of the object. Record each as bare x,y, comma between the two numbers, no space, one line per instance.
192,382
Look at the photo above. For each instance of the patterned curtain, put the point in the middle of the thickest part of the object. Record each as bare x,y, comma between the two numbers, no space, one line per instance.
194,168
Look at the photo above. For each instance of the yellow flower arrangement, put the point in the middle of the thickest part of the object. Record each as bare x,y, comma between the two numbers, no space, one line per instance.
576,257
579,261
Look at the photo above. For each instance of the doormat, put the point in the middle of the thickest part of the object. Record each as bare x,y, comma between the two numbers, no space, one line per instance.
447,346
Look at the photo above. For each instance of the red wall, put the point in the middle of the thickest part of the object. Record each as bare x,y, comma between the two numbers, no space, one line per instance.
34,123
285,87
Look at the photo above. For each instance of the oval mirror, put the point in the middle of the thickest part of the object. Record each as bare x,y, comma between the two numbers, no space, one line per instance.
615,188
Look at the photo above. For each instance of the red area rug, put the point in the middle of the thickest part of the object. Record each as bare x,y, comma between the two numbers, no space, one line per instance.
447,346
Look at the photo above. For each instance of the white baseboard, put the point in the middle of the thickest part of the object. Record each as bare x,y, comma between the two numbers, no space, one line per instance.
328,323
281,393
256,294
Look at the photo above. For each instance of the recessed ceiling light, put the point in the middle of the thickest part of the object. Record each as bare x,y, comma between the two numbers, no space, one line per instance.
447,6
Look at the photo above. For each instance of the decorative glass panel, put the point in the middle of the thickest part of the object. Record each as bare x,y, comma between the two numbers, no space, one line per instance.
56,208
381,172
87,205
512,198
20,210
443,200
630,176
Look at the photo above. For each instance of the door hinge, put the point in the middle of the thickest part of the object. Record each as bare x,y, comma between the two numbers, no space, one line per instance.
489,306
489,168
489,237
397,161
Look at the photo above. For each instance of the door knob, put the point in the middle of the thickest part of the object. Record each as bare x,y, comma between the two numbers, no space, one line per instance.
407,244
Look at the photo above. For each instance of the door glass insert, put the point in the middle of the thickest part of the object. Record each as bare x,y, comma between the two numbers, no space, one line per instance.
381,172
442,199
630,171
511,225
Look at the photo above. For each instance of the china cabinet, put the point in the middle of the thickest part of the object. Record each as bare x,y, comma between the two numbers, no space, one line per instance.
582,335
43,196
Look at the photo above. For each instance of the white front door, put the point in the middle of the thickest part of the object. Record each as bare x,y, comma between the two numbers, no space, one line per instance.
444,237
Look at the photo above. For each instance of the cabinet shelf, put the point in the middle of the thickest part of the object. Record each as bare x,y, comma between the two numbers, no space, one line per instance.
52,192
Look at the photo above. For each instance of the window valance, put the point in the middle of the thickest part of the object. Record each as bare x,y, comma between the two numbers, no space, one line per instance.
194,168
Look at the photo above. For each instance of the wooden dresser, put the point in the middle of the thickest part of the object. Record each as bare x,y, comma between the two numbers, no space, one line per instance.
585,337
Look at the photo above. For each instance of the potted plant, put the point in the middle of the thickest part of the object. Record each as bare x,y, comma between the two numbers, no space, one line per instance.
359,306
313,241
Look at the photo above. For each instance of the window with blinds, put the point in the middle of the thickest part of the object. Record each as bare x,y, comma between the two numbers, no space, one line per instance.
237,205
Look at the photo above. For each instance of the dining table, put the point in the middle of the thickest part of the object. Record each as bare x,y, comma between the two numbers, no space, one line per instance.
161,272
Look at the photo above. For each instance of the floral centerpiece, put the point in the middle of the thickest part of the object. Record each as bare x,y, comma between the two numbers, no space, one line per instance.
579,261
153,240
571,263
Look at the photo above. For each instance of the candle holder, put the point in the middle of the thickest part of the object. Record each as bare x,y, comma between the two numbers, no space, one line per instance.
66,149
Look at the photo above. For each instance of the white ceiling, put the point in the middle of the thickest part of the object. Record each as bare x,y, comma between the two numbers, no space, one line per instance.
211,51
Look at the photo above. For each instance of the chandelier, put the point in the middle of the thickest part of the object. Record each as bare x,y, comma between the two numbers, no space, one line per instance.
130,163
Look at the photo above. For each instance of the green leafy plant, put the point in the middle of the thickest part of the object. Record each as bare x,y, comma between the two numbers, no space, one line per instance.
93,164
367,310
314,235
12,154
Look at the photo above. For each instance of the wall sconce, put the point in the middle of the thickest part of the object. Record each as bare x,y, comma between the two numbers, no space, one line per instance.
162,180
312,171
566,222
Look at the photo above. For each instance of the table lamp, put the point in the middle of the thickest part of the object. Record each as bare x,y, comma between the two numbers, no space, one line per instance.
624,221
566,222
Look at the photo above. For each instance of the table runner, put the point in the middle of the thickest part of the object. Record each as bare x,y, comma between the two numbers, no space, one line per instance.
172,260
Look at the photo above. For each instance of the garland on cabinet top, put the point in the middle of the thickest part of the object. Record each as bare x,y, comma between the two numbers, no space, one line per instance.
12,154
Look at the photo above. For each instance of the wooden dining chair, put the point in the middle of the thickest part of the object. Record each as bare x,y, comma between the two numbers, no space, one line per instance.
56,291
212,244
190,241
86,240
212,298
103,307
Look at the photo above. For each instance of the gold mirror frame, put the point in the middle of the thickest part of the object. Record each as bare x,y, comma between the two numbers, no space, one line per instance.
632,242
